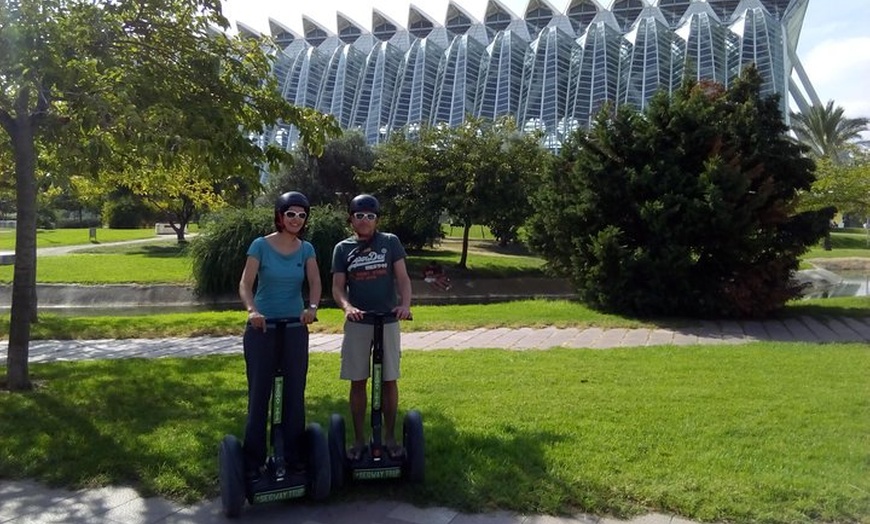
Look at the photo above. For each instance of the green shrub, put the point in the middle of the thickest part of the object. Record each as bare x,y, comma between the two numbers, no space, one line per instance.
327,226
687,209
46,218
219,251
125,212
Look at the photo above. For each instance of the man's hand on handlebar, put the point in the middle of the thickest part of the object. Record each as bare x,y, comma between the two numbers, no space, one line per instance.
352,313
356,315
402,313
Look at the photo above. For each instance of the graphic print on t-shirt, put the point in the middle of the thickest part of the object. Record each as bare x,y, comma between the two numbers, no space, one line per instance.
367,265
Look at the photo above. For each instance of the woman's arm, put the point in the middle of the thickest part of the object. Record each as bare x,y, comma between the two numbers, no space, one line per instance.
315,289
246,292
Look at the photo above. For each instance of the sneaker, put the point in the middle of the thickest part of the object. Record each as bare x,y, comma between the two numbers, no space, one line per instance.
254,476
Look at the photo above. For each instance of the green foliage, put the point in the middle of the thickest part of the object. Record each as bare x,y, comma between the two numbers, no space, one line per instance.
826,131
326,227
408,189
219,251
845,186
46,218
477,173
329,178
125,211
149,96
687,209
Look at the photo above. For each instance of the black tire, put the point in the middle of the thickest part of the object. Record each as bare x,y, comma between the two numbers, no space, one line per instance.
232,476
415,446
337,454
319,472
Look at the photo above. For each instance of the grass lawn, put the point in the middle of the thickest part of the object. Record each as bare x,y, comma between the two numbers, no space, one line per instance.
168,262
767,432
74,237
158,263
845,243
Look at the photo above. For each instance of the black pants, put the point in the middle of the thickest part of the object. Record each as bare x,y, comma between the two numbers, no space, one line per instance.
260,363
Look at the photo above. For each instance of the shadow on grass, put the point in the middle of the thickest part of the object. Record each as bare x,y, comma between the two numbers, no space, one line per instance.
156,250
154,427
157,427
164,251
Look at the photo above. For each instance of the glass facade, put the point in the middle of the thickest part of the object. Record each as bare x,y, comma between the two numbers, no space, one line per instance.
553,71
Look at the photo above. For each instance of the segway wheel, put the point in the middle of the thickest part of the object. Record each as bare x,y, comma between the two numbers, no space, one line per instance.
412,436
319,473
337,454
232,476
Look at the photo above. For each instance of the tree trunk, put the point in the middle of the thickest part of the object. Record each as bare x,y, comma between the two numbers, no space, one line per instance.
183,216
24,275
463,258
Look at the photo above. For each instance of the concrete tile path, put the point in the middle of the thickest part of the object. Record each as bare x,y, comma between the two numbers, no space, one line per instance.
29,502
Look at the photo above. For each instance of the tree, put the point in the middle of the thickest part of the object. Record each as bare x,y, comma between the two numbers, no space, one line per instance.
328,178
686,209
843,186
487,167
827,131
408,188
476,173
90,88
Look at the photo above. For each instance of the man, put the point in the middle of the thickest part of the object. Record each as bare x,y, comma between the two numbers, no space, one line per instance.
369,274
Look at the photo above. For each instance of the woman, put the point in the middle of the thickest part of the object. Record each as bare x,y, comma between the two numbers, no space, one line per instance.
279,263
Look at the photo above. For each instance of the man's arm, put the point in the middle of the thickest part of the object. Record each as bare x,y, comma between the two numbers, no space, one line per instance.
403,281
339,294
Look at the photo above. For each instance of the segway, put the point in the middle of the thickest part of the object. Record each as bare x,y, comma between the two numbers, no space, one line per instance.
374,462
277,482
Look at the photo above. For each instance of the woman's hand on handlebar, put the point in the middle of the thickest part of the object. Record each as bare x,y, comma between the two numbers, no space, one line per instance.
257,320
308,316
402,313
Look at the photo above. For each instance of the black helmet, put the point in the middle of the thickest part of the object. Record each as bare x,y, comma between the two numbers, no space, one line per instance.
292,198
365,203
287,200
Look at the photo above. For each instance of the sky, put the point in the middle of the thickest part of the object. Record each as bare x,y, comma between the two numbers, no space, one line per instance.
834,44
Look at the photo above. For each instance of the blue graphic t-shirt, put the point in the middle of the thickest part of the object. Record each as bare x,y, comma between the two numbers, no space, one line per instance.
279,279
368,266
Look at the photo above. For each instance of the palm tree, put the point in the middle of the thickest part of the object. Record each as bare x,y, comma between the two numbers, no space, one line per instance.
826,131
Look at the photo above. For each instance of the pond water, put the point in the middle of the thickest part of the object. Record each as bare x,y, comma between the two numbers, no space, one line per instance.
843,283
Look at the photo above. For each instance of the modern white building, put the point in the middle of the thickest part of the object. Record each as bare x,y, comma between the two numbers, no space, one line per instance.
550,69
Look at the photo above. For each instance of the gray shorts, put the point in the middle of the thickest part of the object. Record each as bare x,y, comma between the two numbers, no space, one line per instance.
356,351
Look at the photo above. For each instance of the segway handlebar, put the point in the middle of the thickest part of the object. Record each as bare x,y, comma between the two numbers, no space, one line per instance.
272,323
386,315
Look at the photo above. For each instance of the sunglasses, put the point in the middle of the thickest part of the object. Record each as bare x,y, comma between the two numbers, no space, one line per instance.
293,214
367,216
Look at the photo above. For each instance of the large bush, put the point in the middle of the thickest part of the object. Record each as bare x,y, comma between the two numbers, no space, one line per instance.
687,209
220,249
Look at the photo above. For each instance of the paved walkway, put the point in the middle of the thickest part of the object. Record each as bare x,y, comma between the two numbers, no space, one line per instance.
29,502
804,329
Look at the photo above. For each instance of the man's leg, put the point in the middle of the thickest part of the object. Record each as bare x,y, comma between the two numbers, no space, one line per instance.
391,405
358,403
392,356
